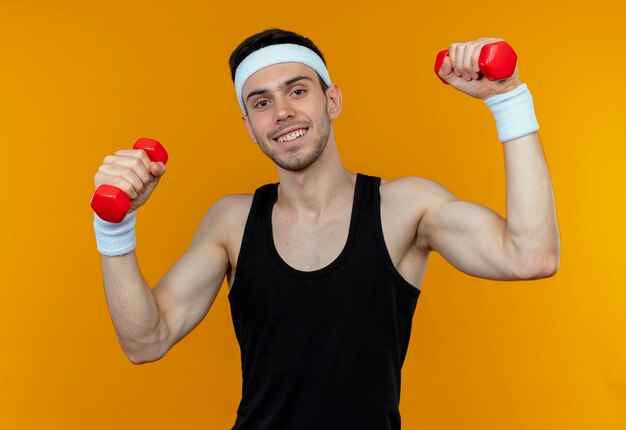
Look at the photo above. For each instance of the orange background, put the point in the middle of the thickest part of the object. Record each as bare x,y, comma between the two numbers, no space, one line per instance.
80,80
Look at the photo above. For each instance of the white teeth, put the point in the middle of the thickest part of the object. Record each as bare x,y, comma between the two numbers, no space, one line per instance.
289,137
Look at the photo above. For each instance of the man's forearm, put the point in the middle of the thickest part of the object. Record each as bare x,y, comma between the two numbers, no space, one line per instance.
133,307
530,208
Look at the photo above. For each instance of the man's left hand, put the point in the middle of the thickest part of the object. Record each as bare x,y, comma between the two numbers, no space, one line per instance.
460,70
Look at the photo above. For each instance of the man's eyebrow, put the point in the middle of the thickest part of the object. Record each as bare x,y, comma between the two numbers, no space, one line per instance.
284,84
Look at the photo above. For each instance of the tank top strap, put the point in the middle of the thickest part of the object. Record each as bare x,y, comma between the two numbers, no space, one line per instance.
371,186
256,217
368,204
363,196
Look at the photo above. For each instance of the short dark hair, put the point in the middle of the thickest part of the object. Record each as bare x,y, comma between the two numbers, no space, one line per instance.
272,36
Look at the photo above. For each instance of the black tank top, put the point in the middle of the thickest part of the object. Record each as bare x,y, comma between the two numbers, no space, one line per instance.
321,350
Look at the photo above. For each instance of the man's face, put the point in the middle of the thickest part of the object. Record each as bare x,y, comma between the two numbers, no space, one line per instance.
288,114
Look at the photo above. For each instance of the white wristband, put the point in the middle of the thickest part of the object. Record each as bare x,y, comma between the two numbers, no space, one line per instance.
514,113
115,239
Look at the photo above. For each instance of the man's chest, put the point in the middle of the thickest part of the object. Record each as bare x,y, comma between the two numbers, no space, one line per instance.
307,244
312,243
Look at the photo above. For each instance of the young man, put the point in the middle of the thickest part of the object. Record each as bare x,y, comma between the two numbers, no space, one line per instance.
324,268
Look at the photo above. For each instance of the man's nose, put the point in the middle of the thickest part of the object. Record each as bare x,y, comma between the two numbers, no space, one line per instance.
284,109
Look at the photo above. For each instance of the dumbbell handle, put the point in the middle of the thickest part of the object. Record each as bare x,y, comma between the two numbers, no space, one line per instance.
112,204
496,61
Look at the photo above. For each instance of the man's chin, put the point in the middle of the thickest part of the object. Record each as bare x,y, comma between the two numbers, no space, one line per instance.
297,164
294,167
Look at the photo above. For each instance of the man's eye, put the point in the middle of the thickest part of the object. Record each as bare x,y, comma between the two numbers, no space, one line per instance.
299,91
262,103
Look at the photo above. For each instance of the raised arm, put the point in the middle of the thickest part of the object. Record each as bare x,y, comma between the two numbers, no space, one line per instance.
148,322
479,242
473,238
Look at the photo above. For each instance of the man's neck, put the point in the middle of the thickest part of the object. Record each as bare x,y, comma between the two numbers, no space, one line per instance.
317,188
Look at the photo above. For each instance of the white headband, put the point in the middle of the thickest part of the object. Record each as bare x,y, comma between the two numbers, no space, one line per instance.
275,54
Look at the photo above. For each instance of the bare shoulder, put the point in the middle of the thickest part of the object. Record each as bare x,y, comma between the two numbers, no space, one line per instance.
232,207
407,201
224,219
415,190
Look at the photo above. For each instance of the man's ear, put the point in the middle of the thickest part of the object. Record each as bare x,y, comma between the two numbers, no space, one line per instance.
249,128
333,96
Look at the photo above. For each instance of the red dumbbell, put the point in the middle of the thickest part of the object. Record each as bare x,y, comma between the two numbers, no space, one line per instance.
112,204
496,61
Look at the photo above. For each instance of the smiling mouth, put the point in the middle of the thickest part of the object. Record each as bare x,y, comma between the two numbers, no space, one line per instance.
290,137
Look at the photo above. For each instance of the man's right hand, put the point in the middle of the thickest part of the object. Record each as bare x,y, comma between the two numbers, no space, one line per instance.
131,171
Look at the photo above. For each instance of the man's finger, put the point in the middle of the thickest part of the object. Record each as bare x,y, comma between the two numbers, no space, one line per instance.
446,69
